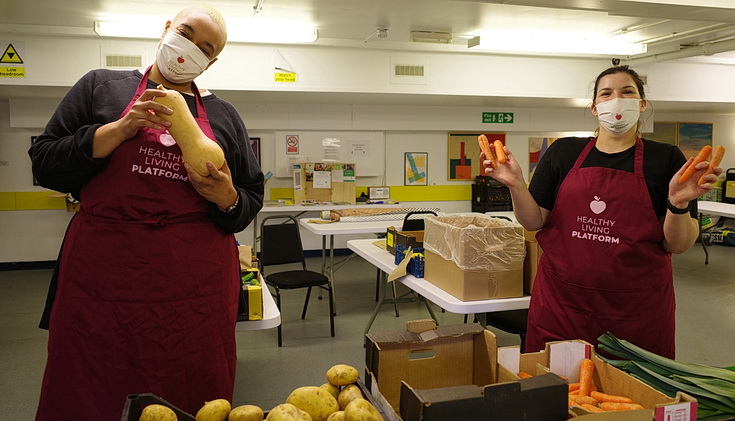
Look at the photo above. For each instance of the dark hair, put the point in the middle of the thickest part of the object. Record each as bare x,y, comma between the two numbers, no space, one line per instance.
621,69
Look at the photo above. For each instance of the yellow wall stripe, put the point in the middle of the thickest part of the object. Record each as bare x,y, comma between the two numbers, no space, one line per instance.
21,201
403,193
44,200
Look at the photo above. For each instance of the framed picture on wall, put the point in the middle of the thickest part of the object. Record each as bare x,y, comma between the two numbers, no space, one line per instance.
537,146
463,154
693,136
664,132
416,169
33,140
255,144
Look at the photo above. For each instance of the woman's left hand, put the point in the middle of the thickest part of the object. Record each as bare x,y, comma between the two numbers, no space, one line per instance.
681,194
216,187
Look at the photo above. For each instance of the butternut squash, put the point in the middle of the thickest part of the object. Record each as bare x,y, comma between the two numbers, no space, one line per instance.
195,146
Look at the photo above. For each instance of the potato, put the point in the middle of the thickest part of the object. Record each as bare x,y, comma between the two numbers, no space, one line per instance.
342,374
216,410
348,394
246,413
362,410
287,412
155,412
316,401
332,389
337,416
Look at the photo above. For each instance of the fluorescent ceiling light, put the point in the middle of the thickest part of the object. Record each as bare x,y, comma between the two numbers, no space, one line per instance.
555,42
238,30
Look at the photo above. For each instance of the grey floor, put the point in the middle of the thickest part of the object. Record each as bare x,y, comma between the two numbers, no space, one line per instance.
266,374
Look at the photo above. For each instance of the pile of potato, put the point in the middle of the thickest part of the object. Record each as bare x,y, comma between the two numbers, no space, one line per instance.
340,399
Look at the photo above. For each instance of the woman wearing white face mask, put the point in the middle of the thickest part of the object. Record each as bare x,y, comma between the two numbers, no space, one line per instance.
610,212
145,291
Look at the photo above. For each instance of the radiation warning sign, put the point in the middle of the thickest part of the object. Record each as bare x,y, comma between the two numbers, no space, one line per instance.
11,56
11,63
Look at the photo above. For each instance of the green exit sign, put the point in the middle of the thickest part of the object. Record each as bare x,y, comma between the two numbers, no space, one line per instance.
497,117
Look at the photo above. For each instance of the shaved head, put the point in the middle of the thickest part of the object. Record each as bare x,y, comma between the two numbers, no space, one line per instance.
213,14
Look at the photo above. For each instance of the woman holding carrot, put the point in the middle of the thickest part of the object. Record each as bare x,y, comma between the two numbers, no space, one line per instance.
611,210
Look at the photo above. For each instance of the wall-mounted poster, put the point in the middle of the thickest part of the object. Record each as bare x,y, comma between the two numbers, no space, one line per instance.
416,166
464,154
693,136
663,131
255,144
537,146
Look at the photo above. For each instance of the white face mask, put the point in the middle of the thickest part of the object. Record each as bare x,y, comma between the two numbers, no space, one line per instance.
619,115
180,60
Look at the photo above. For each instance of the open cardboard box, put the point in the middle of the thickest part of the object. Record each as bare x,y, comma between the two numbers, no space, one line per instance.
429,372
394,238
564,358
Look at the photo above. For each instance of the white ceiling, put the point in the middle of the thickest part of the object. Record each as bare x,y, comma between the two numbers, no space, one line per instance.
665,26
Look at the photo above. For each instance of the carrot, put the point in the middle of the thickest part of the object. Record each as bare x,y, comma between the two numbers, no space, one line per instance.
617,406
583,399
714,162
586,369
701,156
573,387
604,397
487,149
591,408
524,375
571,403
499,151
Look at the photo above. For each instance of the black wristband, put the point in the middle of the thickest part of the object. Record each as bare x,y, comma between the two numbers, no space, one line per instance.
676,211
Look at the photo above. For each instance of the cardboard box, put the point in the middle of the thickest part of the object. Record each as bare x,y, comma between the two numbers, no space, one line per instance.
564,357
474,256
413,239
426,374
530,263
324,182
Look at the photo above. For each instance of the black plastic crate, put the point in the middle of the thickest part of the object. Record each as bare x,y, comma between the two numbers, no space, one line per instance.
491,207
486,181
134,405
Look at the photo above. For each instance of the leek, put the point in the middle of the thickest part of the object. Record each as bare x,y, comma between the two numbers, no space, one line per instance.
713,387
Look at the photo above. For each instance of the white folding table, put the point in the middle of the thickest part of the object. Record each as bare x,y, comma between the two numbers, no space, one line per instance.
713,208
385,261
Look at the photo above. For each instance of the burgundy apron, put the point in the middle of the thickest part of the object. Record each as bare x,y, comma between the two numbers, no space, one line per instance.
603,267
148,289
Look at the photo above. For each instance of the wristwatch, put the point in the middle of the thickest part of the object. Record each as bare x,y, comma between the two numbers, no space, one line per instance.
677,211
232,206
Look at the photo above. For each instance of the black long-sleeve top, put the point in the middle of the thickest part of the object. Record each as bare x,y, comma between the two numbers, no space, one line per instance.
62,154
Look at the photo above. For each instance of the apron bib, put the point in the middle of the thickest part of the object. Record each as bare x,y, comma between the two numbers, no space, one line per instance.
603,267
148,289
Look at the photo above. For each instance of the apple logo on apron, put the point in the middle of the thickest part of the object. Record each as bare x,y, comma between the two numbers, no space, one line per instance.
166,139
597,206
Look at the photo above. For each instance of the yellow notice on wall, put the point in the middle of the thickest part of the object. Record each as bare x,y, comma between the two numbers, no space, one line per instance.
12,71
284,77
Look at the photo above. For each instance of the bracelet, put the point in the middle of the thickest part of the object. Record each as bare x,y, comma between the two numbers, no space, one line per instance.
231,207
676,211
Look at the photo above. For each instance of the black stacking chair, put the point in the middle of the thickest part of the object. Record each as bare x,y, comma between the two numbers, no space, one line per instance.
280,244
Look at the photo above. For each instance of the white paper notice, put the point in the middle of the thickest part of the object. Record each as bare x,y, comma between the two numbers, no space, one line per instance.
322,179
359,149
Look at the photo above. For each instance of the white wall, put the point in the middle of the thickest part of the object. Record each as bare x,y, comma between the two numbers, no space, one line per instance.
36,235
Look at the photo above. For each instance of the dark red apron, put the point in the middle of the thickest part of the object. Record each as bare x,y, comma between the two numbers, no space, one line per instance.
148,289
603,266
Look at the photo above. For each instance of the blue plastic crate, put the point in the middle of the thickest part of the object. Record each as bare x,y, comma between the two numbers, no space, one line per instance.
416,266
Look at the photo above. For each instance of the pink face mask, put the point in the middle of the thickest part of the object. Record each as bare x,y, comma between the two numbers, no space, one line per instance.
180,60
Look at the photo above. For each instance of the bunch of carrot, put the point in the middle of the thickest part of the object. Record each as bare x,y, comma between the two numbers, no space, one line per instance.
703,154
585,394
494,152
